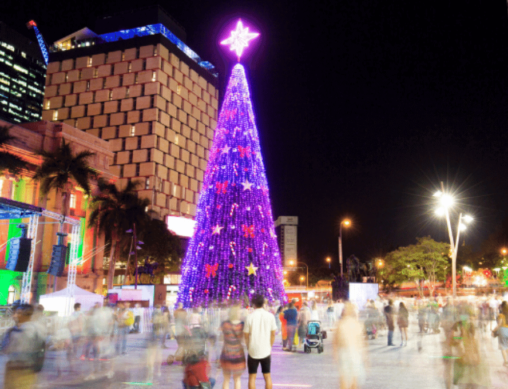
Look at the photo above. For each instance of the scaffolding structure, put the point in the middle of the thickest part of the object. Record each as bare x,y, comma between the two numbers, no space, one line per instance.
10,209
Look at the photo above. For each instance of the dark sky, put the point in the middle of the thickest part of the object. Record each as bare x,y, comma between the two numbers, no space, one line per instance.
363,107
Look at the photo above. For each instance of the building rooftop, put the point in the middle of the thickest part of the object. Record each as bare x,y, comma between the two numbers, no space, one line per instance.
129,25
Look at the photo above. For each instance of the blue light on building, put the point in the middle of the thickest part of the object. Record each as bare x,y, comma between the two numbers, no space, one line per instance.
153,29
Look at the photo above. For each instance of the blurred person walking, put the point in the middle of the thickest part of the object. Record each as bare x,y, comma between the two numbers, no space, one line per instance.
403,323
330,313
470,371
502,331
232,358
137,311
291,316
76,327
153,349
350,349
390,322
180,330
304,316
124,320
283,327
259,334
24,346
339,307
447,323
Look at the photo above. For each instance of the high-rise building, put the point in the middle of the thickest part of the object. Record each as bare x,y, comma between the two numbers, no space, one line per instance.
22,77
133,81
287,235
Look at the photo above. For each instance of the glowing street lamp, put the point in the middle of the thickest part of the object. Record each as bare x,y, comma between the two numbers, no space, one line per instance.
296,263
347,223
446,202
302,278
329,260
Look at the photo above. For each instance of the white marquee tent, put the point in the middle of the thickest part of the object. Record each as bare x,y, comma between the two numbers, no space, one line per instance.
57,301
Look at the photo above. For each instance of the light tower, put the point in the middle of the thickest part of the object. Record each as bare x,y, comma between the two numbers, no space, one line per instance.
40,39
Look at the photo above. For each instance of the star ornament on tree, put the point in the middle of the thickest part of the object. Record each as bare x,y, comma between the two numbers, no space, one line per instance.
239,39
251,269
247,185
216,230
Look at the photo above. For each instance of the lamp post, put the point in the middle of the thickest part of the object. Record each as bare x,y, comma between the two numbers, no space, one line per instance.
329,260
293,263
347,223
134,242
302,278
446,202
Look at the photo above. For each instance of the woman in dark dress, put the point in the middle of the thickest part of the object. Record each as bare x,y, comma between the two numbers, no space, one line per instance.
232,358
403,322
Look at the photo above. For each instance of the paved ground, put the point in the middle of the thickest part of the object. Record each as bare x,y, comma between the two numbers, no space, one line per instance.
394,367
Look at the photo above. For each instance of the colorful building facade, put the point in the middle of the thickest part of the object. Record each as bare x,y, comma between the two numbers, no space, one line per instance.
30,138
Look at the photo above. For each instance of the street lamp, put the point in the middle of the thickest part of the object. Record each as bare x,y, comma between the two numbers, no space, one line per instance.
446,202
346,223
329,260
293,263
302,278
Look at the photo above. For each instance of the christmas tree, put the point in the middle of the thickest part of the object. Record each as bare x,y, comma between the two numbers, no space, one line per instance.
233,253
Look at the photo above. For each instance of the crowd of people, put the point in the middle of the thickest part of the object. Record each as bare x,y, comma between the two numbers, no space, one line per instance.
239,338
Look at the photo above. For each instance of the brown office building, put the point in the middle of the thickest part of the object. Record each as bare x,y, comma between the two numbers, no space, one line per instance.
134,82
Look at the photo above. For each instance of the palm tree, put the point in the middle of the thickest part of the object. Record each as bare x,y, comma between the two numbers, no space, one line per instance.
61,169
114,212
9,162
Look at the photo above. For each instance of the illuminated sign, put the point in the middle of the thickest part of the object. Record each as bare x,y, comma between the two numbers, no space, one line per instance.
181,226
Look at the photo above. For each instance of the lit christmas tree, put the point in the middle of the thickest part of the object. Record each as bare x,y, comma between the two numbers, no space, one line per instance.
233,253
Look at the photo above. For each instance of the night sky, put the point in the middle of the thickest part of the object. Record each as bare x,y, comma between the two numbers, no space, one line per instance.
363,107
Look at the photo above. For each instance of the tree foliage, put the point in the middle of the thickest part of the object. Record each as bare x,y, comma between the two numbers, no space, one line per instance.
9,162
160,245
426,261
61,169
114,212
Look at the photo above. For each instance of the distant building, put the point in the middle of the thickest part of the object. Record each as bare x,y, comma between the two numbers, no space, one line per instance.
22,77
287,235
134,82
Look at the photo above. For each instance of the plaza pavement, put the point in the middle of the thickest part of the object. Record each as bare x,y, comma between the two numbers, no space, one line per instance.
389,367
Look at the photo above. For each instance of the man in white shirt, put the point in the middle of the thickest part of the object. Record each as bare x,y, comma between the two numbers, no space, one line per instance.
259,331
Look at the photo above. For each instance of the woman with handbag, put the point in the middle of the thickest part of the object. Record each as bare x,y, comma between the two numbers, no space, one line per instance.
502,331
232,358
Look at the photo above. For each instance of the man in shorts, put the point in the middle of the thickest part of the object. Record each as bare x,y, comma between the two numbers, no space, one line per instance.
259,331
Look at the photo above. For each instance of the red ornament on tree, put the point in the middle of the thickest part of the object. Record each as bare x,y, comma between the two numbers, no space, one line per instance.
249,231
211,270
231,266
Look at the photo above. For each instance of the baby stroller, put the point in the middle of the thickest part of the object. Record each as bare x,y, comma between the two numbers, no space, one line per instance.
314,338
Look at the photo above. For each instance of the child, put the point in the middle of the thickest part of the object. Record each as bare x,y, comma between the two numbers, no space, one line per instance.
196,373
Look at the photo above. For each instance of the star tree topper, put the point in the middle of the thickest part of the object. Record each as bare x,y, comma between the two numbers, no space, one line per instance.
239,39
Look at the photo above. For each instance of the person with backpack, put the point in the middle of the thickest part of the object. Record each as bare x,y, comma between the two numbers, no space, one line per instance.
24,346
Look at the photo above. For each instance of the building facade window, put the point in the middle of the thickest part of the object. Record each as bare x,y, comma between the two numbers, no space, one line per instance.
72,202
